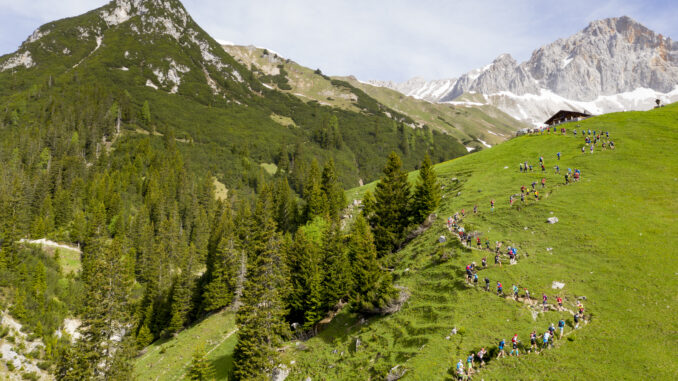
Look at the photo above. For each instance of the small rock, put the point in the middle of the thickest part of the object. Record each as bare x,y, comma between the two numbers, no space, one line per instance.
557,285
582,297
458,194
525,228
442,239
447,338
552,220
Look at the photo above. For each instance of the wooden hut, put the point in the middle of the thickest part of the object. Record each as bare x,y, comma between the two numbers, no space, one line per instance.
563,116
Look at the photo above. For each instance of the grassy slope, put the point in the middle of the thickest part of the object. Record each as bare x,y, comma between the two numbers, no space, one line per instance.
169,360
615,243
464,123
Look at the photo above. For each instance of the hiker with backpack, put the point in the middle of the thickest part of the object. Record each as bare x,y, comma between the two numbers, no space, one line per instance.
514,343
544,301
487,284
500,289
561,327
543,182
481,356
501,353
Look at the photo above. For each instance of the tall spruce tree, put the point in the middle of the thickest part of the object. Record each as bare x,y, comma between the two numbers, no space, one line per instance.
220,277
427,192
392,207
337,279
305,296
334,193
285,206
105,317
261,316
316,199
372,287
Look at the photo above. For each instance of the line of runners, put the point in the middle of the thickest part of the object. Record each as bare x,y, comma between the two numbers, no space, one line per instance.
538,341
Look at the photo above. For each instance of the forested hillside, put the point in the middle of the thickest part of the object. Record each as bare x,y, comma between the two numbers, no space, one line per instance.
114,128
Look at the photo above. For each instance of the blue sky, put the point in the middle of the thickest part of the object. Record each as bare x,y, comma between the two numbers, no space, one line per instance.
386,39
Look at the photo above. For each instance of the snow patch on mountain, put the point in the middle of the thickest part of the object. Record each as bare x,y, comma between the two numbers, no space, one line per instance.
18,59
537,108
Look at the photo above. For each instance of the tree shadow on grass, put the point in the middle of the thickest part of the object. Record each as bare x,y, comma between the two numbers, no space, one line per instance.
223,366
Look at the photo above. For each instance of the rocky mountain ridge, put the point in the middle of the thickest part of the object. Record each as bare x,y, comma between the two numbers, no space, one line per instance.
614,57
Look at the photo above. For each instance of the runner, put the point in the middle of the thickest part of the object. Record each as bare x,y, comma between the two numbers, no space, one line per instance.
557,169
533,340
536,195
561,327
567,178
534,184
475,209
487,244
545,341
522,198
527,295
515,292
560,302
478,243
543,169
500,289
492,205
522,189
469,363
497,260
481,356
591,148
583,149
475,279
487,284
543,182
484,262
514,342
558,154
501,349
521,167
576,321
460,370
544,302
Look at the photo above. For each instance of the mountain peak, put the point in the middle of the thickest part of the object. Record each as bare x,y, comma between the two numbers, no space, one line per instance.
623,25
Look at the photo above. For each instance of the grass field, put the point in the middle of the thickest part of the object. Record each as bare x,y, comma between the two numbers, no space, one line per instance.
170,359
615,244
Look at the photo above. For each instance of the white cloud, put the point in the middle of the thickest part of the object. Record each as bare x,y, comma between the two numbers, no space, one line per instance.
383,39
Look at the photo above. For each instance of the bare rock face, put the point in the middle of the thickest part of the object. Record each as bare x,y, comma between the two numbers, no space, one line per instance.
609,56
611,65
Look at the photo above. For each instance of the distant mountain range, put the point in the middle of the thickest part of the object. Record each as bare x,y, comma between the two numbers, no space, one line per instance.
613,64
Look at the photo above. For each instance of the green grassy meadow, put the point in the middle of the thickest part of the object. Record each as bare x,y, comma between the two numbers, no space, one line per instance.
614,244
171,359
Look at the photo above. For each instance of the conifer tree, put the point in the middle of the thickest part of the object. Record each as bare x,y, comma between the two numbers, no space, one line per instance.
220,277
316,199
305,297
337,279
427,192
261,316
201,369
392,205
285,206
336,200
146,113
373,287
363,257
369,205
104,317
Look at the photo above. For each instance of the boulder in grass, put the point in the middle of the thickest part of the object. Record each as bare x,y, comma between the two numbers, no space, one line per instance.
552,220
442,239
